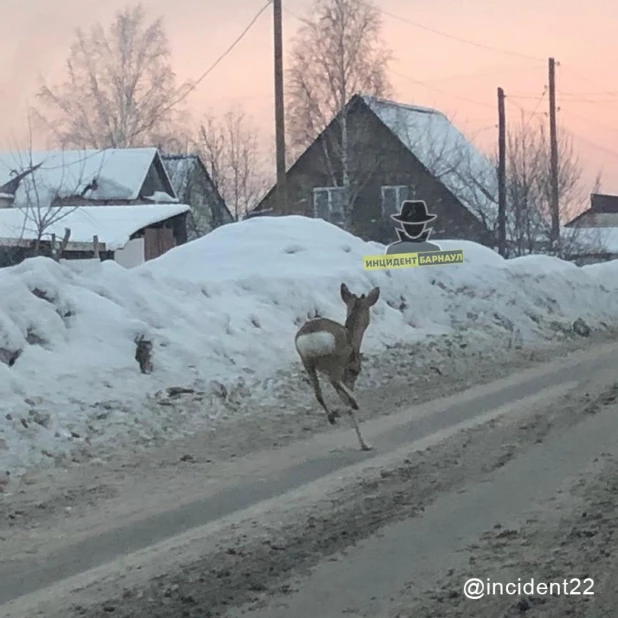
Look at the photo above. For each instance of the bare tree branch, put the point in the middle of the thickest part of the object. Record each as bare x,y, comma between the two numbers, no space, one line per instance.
230,149
528,190
39,197
117,89
338,52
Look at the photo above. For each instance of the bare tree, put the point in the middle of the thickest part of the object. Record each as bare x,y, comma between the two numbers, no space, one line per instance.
451,157
40,194
120,89
40,211
337,52
528,189
40,214
230,149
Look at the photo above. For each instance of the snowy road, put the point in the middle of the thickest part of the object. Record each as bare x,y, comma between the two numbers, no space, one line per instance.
219,537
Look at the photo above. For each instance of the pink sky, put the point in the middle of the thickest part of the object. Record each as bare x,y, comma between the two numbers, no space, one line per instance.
458,79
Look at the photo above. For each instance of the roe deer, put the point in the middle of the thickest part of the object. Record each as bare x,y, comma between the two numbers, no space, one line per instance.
330,348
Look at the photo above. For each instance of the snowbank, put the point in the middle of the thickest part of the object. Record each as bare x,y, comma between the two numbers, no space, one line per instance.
225,308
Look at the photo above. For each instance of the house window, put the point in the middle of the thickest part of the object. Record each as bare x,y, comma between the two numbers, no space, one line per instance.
328,203
392,196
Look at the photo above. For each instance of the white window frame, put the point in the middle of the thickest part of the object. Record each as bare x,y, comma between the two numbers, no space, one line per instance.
398,199
329,192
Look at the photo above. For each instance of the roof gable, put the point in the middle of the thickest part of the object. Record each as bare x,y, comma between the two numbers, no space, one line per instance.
444,151
600,204
603,203
180,168
438,145
120,174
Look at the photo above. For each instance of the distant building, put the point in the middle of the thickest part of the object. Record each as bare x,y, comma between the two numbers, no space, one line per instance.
123,197
130,235
592,236
193,185
396,152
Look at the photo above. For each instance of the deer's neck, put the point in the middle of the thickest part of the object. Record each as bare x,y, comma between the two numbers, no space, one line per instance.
355,332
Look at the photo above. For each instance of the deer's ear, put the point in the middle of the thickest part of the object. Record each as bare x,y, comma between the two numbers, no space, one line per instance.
346,295
372,297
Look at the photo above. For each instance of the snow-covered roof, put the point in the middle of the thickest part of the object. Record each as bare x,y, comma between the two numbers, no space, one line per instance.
120,173
114,225
591,240
180,169
449,156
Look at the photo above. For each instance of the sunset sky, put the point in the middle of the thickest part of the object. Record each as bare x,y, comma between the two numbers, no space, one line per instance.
459,79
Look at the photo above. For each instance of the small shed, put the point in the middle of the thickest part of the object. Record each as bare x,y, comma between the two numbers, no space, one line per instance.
129,234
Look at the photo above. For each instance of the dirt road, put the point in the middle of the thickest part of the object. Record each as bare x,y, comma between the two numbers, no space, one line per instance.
200,537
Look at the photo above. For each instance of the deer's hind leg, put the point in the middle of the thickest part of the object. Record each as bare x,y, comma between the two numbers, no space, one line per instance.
347,396
315,383
336,377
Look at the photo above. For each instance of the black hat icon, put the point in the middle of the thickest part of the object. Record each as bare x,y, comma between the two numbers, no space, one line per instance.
414,212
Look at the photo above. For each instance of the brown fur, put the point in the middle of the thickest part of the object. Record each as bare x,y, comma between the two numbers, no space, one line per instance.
342,366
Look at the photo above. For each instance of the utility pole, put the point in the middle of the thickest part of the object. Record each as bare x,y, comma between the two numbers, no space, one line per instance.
501,174
279,113
553,143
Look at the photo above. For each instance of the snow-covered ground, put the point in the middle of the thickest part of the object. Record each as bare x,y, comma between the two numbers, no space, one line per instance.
222,311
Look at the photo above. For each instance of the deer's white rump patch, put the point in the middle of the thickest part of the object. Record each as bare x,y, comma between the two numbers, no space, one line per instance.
316,344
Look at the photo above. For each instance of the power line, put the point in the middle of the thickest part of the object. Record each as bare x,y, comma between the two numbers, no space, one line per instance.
238,39
461,40
589,94
187,91
599,124
529,97
195,84
610,102
532,95
536,107
572,133
445,35
449,94
590,81
534,112
428,85
286,10
591,143
484,73
526,111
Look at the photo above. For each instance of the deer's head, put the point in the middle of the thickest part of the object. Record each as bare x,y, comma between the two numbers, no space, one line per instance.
358,312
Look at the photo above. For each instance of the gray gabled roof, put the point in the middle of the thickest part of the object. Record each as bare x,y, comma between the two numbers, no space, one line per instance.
444,151
179,168
440,147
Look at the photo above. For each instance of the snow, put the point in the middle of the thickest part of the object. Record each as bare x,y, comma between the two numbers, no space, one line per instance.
120,173
114,225
592,239
224,309
161,197
444,151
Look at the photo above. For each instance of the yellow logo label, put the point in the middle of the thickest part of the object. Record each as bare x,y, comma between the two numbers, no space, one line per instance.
412,260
